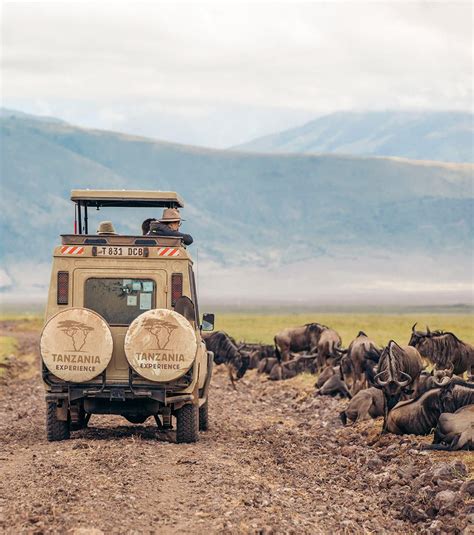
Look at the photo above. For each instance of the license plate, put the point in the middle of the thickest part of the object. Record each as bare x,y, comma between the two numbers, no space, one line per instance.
120,251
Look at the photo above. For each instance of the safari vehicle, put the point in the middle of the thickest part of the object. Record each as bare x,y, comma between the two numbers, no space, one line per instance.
122,332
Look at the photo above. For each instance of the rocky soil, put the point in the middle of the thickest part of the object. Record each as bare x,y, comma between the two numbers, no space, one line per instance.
276,460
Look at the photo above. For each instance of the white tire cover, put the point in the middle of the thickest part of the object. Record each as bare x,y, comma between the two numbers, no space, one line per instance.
76,345
160,345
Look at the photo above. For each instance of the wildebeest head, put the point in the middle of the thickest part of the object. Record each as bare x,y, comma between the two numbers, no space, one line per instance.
314,331
443,377
417,336
390,378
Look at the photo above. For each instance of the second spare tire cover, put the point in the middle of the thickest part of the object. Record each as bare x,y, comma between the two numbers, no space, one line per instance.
160,345
76,345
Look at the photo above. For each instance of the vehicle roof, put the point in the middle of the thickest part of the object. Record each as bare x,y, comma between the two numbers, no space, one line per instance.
132,198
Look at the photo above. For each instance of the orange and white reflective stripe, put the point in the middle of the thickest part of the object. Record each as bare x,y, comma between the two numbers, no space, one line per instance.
72,249
168,251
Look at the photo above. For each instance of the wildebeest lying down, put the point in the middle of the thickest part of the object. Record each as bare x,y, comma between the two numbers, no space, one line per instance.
257,353
277,370
420,416
226,352
433,379
291,368
444,349
398,372
308,338
365,405
330,383
455,431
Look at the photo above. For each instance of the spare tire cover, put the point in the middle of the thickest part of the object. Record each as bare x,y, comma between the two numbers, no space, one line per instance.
160,345
76,345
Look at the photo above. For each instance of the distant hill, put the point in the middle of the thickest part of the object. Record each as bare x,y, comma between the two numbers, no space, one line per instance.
246,211
437,136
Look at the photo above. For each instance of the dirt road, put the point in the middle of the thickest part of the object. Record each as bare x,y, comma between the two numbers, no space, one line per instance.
276,460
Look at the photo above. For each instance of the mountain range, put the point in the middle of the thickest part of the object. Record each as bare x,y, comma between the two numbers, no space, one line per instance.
372,222
438,136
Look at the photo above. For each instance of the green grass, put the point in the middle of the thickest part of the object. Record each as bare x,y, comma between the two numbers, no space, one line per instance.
381,327
8,345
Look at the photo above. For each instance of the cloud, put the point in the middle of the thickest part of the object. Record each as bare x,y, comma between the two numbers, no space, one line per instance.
197,59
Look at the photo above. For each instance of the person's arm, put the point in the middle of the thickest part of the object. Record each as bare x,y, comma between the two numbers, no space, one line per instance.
187,238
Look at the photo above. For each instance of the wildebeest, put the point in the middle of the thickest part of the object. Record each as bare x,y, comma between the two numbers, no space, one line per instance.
443,349
226,352
454,431
400,369
266,365
329,348
332,384
365,405
433,379
257,352
312,337
359,351
419,416
291,368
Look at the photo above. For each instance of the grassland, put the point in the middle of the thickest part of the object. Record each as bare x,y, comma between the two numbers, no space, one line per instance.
382,327
8,346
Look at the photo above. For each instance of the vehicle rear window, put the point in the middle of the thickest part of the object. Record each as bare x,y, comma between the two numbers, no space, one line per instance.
119,301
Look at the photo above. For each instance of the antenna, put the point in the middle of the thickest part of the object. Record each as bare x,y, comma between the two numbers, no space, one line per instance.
197,270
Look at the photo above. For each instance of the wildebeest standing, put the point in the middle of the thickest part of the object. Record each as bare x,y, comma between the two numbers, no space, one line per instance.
361,349
398,370
419,416
367,404
226,352
313,338
444,349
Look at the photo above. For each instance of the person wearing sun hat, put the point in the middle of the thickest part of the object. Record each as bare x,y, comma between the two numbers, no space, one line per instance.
106,228
168,225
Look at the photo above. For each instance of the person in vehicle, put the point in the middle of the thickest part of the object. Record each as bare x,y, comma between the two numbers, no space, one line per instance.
106,228
146,225
168,225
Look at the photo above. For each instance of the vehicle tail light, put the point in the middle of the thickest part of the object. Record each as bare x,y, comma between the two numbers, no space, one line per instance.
63,287
176,287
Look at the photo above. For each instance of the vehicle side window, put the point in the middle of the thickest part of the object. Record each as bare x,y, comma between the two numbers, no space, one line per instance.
185,307
119,301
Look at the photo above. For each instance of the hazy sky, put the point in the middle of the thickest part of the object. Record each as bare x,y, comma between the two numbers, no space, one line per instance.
219,74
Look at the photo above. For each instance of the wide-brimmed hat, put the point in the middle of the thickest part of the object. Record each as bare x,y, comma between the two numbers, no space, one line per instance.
106,227
171,215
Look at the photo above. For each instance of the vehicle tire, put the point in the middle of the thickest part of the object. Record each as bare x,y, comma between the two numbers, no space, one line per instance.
204,416
187,424
56,429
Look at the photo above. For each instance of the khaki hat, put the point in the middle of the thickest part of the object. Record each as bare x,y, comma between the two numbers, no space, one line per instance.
106,227
170,215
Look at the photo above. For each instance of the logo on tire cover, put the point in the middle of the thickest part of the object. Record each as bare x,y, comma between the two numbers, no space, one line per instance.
161,331
77,332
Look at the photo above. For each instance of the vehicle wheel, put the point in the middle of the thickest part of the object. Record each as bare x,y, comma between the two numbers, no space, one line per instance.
187,423
56,429
204,416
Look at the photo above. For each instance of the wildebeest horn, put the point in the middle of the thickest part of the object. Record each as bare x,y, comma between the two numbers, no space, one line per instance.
444,381
406,382
413,328
378,381
428,330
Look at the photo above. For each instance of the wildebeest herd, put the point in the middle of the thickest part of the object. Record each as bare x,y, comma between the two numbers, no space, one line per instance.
416,388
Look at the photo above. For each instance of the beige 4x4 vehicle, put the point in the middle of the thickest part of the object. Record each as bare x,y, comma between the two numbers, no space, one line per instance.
122,333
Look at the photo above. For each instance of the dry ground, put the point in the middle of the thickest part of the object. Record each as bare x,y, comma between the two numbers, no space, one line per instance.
276,460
